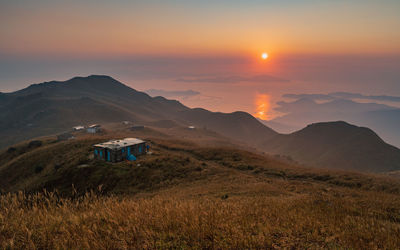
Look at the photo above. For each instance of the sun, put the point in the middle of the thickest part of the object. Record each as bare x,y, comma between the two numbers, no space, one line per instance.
264,56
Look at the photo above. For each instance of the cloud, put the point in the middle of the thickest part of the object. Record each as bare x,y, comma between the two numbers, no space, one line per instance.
315,97
343,95
171,94
232,79
347,95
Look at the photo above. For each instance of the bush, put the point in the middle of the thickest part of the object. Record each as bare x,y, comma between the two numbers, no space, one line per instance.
35,143
38,169
57,166
225,196
11,150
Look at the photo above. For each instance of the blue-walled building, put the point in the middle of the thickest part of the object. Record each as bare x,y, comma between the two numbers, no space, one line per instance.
119,150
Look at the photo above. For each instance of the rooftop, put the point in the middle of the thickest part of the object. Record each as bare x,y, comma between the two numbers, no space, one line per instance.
115,144
94,126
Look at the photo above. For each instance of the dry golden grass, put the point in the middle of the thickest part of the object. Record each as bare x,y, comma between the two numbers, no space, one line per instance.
322,220
192,197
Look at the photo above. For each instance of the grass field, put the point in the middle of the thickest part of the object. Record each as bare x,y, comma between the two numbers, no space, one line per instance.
322,220
188,195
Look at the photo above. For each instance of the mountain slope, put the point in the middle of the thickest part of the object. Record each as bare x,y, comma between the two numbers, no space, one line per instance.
184,195
53,107
383,119
337,145
238,125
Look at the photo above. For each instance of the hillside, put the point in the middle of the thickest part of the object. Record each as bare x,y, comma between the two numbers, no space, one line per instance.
382,119
187,195
337,145
52,107
59,165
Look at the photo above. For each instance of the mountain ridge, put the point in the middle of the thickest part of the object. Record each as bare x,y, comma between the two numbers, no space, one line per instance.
54,107
323,144
142,107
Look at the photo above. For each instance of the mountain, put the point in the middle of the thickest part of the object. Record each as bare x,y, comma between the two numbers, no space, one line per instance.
279,127
55,106
337,145
383,119
186,195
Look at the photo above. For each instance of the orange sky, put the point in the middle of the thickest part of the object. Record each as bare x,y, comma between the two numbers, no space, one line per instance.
193,28
314,46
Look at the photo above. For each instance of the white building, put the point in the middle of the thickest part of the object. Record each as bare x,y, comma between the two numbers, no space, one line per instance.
78,128
93,129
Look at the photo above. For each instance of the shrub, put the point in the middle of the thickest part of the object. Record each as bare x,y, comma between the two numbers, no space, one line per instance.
38,169
35,143
11,150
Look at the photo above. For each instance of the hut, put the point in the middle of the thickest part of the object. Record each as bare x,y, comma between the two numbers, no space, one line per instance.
119,150
93,129
78,128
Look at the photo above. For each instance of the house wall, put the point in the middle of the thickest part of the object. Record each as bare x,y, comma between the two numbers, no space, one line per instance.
119,154
138,149
99,153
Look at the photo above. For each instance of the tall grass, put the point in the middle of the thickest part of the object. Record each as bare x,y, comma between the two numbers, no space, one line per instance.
304,221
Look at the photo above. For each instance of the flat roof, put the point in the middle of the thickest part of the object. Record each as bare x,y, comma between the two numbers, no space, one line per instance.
94,126
115,144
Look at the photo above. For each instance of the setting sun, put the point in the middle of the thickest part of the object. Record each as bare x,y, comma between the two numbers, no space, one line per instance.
264,56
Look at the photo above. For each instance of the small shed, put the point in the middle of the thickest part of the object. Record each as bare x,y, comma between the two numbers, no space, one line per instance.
119,150
93,129
78,128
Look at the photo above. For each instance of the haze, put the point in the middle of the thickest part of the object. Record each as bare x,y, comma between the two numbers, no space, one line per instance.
213,48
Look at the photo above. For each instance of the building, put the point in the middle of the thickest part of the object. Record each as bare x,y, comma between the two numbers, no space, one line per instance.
119,150
93,129
78,128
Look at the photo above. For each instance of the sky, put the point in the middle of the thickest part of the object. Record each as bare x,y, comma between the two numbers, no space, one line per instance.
210,47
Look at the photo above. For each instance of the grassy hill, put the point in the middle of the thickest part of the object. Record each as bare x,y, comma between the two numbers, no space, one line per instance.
54,107
59,165
189,193
337,145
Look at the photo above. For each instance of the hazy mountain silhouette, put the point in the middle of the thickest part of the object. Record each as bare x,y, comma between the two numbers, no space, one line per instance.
337,145
383,119
53,107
